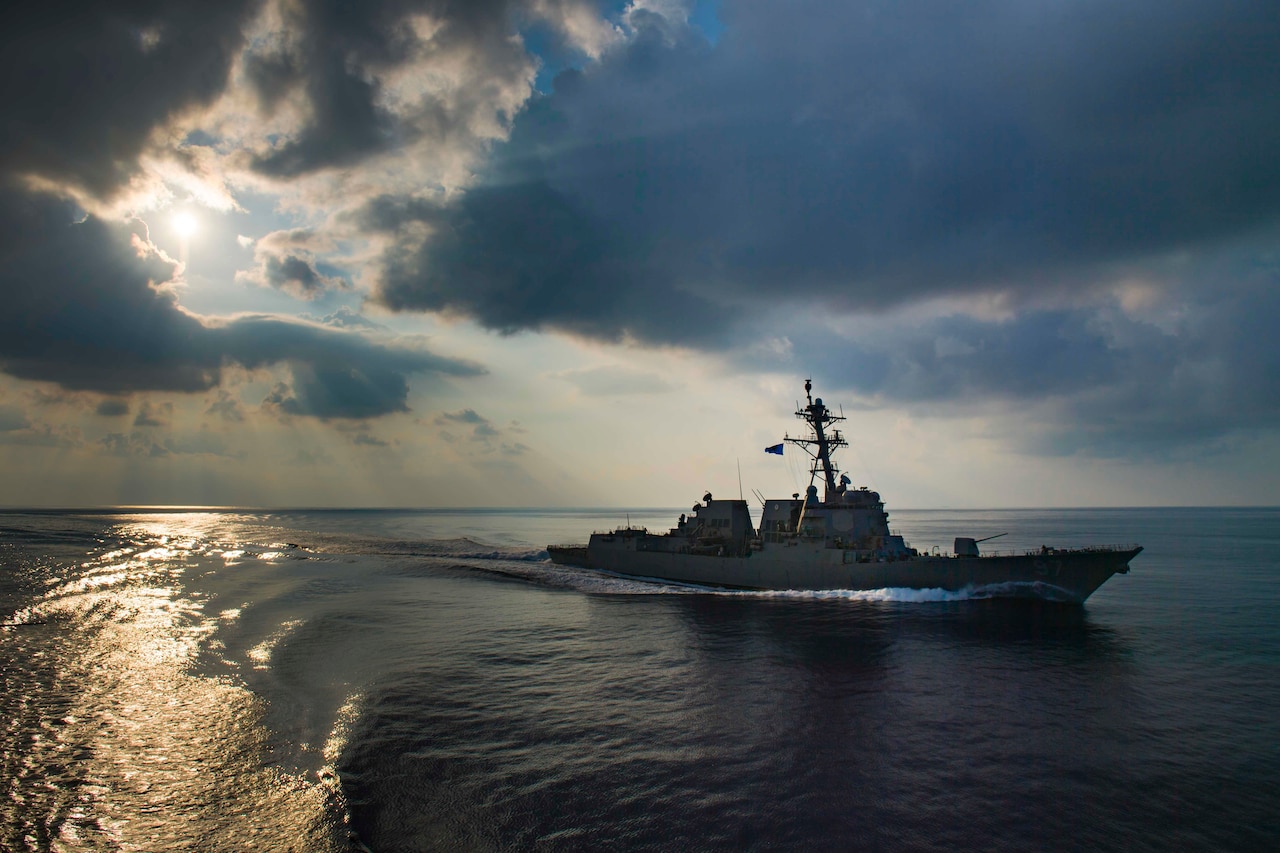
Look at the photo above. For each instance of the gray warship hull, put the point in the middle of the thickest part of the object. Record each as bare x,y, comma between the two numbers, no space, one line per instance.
1069,575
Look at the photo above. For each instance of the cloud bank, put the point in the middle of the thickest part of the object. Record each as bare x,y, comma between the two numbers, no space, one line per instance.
1073,207
858,156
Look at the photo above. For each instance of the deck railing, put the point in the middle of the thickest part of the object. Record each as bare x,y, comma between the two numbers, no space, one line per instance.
1074,549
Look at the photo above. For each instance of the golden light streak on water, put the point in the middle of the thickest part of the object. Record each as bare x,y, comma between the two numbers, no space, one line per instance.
114,738
261,653
347,716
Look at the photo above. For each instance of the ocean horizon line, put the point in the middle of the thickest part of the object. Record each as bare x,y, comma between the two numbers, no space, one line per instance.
179,508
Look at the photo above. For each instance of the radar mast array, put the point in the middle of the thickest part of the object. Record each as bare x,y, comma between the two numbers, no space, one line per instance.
819,448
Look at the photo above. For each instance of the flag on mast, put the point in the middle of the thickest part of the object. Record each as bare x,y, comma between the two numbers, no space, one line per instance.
777,448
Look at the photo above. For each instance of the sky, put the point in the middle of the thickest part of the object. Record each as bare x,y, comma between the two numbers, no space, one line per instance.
569,253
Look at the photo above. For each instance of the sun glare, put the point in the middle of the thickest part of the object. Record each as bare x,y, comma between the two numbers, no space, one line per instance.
185,225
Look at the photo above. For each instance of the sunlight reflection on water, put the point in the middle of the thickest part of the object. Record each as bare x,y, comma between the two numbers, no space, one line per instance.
113,740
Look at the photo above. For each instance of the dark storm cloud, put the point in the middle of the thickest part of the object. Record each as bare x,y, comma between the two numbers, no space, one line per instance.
862,155
84,84
296,275
86,309
528,257
1096,380
342,391
286,260
337,57
1035,354
112,408
335,374
81,310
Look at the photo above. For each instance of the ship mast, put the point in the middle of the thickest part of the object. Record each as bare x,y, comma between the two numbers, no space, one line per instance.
818,417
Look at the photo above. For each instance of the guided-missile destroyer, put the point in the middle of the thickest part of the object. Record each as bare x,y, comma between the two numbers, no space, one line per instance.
841,542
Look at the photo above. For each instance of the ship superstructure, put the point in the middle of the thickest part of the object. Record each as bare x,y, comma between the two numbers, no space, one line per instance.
841,541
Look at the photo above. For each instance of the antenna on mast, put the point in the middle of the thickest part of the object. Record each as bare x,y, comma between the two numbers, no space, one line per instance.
740,497
825,439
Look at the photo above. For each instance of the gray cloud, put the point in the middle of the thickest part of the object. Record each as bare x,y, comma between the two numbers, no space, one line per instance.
142,444
82,308
342,391
153,416
1198,369
12,418
225,407
134,444
337,61
528,257
112,408
858,155
337,374
466,416
297,275
42,435
85,83
286,260
483,432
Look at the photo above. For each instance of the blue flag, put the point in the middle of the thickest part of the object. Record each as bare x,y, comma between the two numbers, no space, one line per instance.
777,448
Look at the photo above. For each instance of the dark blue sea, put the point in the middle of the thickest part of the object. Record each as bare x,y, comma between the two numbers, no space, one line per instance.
427,680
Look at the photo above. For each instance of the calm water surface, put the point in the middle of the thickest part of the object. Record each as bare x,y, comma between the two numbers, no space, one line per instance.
400,681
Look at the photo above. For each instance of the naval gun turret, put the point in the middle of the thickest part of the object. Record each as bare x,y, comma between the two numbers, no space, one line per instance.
967,547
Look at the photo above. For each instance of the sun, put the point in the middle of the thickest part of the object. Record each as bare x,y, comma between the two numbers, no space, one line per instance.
185,224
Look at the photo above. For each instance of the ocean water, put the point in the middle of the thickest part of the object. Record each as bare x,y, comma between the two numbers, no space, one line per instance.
427,680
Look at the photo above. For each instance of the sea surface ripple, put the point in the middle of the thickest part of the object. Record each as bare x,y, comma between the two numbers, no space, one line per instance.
428,680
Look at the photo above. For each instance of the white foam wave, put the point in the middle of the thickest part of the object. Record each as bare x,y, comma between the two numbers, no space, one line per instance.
1025,589
603,582
894,594
469,549
608,583
583,580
